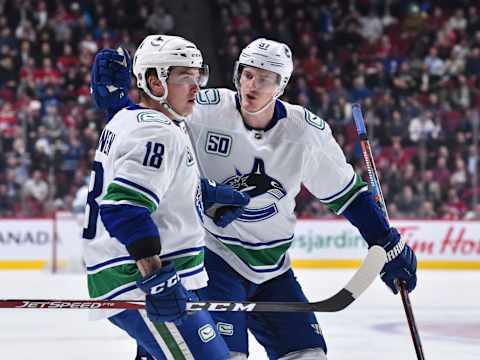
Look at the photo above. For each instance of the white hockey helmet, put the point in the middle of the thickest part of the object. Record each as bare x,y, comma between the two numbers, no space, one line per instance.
162,52
268,55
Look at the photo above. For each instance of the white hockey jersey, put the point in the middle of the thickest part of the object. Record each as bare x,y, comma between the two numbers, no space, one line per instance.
270,166
144,159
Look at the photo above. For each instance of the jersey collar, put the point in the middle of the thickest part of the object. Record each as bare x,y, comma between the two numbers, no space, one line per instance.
278,114
136,107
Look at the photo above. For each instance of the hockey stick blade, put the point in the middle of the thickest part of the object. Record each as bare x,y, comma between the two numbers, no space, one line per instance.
360,281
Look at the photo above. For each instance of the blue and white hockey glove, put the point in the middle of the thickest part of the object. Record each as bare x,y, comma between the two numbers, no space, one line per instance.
166,298
222,202
401,262
110,79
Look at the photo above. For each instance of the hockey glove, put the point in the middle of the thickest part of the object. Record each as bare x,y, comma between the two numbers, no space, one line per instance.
166,298
222,202
401,262
110,79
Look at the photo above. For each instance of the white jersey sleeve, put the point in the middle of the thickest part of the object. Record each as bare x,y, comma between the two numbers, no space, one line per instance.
327,174
146,163
145,160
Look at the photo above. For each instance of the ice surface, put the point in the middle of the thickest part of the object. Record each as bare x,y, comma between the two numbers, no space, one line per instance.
446,305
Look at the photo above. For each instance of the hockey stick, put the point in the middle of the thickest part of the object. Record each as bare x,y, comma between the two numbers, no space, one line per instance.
377,193
360,281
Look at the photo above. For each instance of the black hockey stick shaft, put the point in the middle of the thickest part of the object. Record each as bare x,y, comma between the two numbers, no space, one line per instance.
359,282
377,193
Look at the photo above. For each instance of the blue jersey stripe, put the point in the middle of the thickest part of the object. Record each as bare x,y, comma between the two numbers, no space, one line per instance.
338,193
194,272
139,187
183,251
124,258
250,244
108,262
122,291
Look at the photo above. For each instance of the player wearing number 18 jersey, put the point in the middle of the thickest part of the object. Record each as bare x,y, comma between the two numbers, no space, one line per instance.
144,235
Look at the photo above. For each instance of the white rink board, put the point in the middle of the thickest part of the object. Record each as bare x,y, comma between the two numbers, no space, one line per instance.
26,239
317,243
29,243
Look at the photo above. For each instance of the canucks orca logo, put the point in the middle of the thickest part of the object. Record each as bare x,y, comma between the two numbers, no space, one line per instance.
256,183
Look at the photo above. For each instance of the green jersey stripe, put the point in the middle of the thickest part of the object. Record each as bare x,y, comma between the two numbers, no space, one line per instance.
156,335
339,204
179,339
349,201
188,262
118,193
260,257
111,278
170,341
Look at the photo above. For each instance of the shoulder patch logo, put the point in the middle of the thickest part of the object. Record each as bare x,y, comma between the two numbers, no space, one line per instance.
208,97
314,120
218,144
206,333
152,116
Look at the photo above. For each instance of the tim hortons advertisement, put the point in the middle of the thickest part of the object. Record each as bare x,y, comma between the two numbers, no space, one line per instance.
438,244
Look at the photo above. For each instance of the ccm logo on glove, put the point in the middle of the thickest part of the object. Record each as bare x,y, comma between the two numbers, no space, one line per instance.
157,289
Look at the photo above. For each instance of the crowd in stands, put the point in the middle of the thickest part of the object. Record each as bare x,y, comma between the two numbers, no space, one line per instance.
48,123
414,66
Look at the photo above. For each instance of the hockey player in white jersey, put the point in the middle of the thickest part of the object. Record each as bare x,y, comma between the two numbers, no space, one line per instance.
145,207
267,148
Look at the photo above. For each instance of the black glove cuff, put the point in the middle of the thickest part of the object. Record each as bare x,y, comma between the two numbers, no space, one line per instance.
143,248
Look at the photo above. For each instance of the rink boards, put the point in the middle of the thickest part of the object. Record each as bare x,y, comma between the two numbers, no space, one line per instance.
438,244
40,243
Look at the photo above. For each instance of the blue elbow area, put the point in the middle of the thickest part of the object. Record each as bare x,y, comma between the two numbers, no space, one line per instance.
128,223
365,214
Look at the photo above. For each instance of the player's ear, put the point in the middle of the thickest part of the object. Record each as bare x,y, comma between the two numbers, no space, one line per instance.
155,85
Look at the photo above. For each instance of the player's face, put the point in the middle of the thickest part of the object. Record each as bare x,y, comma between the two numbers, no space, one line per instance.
183,85
257,87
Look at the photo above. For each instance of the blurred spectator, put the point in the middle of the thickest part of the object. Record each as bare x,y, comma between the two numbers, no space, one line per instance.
35,191
371,26
7,203
359,91
459,176
458,21
160,21
408,204
427,211
472,66
441,172
423,128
